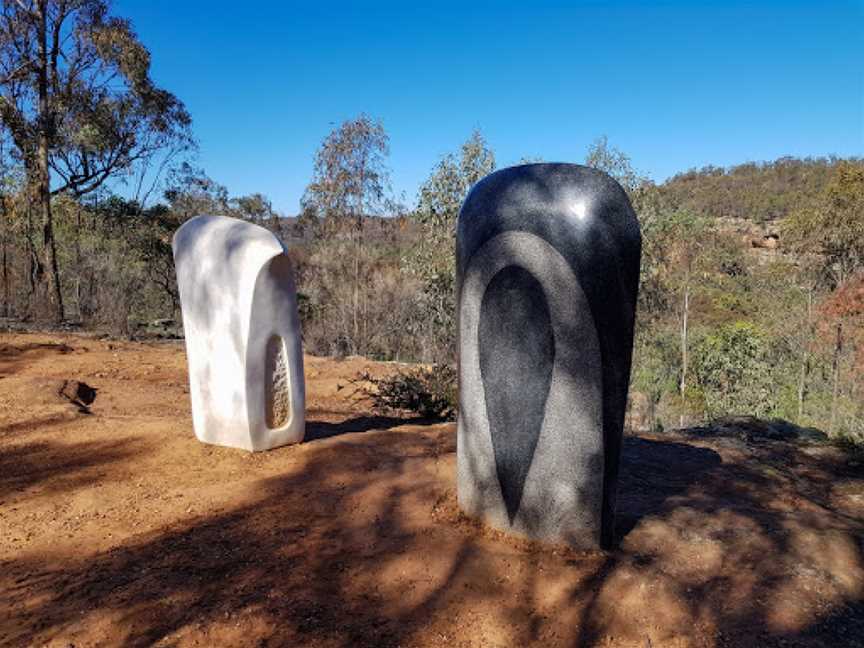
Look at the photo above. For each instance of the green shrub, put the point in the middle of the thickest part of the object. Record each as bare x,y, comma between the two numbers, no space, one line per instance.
733,368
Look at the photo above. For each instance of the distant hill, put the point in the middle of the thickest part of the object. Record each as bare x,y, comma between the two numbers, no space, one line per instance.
759,192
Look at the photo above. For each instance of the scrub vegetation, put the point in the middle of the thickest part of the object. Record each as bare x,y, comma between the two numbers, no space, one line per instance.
740,313
752,295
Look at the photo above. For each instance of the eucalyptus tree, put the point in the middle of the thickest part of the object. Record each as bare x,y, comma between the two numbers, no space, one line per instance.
350,182
350,179
257,209
831,225
616,163
441,195
80,106
191,192
830,228
433,258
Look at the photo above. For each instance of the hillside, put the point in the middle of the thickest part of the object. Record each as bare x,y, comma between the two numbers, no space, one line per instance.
757,192
118,523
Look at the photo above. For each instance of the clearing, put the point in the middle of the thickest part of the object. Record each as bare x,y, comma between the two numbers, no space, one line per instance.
119,528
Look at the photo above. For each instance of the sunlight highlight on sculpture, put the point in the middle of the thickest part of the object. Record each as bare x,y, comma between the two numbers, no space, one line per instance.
242,334
547,276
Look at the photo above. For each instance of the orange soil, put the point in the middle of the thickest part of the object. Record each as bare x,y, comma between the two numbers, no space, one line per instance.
120,528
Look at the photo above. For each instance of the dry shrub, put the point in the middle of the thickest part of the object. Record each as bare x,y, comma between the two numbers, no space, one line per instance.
430,392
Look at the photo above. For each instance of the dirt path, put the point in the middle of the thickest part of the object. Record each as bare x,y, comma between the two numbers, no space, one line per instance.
119,528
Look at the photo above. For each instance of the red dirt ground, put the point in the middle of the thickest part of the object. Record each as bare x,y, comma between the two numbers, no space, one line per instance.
119,528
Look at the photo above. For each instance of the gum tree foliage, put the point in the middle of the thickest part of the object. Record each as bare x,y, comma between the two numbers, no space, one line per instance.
733,368
657,370
442,194
615,162
255,208
681,237
77,101
651,207
671,264
827,232
10,181
842,326
783,295
350,182
191,192
432,260
350,178
832,224
676,266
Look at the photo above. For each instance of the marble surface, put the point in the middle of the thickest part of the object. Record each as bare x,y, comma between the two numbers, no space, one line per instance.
242,333
547,278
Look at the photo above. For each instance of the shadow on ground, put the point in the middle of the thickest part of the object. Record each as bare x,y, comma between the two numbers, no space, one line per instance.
45,468
13,357
316,430
363,545
654,471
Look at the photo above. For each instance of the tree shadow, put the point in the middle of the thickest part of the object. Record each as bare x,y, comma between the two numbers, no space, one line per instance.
14,356
48,467
844,626
361,543
53,420
289,558
763,501
652,472
317,430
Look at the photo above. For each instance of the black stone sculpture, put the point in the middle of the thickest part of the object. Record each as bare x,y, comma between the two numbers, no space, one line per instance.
547,276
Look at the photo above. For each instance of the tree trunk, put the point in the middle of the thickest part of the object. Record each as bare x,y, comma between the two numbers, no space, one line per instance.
356,306
49,281
92,283
805,358
42,179
34,265
652,412
802,385
835,370
359,345
684,356
6,306
78,260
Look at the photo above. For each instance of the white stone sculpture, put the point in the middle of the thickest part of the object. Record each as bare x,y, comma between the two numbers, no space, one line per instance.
242,334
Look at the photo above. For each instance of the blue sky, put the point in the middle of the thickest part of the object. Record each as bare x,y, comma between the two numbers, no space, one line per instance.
675,85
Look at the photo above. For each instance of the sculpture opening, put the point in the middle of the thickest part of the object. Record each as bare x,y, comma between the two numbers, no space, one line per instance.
278,384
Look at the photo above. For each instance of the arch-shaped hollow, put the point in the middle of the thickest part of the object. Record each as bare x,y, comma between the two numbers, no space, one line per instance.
277,381
274,361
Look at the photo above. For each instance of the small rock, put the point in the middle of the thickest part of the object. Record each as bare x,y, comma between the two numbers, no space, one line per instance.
78,393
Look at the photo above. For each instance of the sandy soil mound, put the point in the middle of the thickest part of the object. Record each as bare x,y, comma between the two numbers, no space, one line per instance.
118,528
